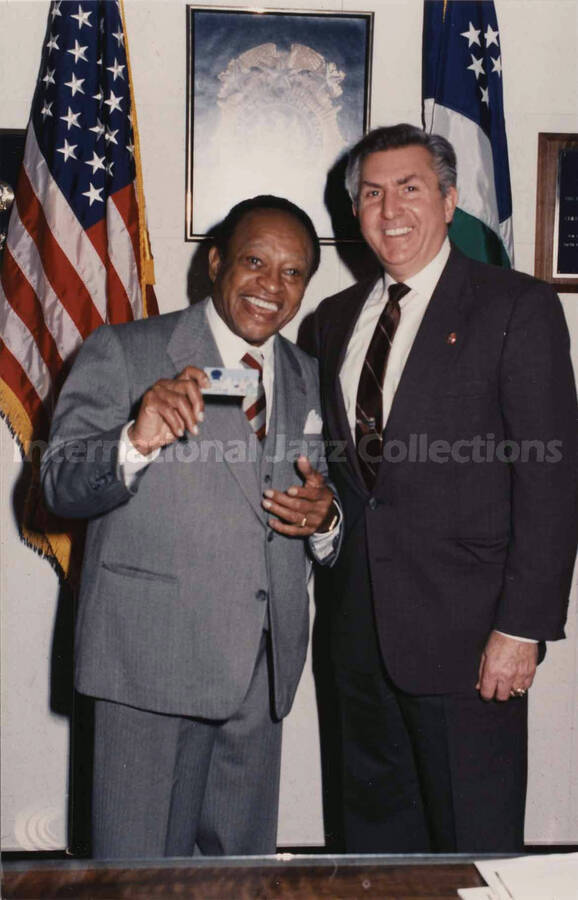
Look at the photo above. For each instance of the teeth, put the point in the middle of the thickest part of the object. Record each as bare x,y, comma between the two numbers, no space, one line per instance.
262,304
396,232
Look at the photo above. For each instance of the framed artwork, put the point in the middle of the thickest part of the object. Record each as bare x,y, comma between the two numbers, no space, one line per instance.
556,252
274,99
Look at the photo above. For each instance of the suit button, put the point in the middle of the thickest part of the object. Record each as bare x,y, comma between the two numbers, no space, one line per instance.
270,536
267,479
372,503
261,595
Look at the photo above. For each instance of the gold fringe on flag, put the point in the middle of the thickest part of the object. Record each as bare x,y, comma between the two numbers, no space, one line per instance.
46,538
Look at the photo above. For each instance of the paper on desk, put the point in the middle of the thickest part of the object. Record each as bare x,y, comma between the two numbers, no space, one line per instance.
550,877
479,893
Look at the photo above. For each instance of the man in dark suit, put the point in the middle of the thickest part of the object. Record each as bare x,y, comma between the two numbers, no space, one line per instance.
193,618
456,471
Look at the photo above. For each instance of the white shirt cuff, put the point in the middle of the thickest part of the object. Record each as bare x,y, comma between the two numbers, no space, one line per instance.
516,638
131,460
322,545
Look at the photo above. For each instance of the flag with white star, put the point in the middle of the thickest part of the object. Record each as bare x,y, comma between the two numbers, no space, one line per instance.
463,101
76,253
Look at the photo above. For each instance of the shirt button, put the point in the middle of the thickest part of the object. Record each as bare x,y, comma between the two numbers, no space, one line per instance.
261,595
372,503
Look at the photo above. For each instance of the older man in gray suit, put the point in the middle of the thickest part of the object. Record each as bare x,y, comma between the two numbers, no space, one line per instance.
193,620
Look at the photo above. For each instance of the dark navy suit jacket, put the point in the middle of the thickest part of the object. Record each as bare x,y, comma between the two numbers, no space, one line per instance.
455,539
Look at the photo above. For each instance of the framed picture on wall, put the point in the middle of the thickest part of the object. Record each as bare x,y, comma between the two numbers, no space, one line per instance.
556,253
274,100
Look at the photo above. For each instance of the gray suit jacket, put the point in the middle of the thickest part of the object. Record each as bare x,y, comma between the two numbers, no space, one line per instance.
182,572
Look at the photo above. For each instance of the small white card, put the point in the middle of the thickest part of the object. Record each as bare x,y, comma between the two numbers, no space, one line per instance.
231,382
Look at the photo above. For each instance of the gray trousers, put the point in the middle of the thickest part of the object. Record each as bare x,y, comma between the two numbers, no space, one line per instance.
175,786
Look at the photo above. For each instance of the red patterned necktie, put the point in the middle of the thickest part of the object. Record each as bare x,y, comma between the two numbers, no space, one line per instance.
369,408
254,406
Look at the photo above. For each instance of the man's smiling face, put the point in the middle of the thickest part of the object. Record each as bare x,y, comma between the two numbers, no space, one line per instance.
259,285
402,212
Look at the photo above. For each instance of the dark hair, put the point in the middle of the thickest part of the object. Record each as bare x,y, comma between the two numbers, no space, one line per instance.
393,137
223,233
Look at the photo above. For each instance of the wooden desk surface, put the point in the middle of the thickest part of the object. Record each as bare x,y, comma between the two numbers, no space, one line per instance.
258,878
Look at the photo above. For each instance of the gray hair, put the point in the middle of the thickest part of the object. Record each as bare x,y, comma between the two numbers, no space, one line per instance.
395,136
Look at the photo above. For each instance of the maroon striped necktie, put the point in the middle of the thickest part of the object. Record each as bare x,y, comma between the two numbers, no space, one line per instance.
369,408
254,406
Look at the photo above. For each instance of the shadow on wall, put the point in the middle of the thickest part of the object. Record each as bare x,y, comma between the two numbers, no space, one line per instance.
349,244
351,248
198,282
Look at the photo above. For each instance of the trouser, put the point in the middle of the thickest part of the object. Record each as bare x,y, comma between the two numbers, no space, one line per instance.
421,773
173,786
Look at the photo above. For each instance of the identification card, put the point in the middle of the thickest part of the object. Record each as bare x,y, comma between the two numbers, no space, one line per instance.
231,382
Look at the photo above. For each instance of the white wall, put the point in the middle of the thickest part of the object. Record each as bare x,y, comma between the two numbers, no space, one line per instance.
539,47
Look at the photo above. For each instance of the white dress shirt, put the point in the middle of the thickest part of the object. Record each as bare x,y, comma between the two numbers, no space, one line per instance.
412,306
232,348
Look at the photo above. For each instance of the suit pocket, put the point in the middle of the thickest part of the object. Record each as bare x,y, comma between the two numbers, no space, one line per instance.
135,641
490,551
135,572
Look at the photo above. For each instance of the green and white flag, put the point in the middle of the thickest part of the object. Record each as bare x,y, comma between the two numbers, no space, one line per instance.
463,101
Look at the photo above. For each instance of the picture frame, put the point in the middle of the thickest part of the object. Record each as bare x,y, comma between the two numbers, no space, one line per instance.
556,248
274,99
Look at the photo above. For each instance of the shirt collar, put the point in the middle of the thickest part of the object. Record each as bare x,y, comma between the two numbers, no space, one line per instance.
232,347
425,281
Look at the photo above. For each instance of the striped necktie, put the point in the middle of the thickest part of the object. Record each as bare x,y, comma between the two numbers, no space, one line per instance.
254,406
369,408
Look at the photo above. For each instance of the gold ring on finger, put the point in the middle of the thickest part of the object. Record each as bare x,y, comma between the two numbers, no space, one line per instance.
303,522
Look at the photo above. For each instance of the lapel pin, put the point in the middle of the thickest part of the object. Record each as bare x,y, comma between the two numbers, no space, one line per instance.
452,337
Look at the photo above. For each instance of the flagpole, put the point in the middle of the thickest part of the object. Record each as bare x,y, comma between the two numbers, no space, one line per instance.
147,268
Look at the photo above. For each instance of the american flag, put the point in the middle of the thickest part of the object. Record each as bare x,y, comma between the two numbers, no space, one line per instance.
76,253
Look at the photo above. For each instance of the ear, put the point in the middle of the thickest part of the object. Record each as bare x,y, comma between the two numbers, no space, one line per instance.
450,203
214,262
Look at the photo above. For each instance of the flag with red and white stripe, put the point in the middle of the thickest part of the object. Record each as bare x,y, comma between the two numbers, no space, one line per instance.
76,253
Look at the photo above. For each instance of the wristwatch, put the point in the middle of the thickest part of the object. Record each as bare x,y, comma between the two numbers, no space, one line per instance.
335,514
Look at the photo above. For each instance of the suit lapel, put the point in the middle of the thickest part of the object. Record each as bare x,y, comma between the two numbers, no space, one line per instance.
433,352
288,411
192,343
